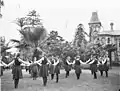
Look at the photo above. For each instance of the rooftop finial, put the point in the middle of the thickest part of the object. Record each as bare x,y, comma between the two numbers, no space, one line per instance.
111,24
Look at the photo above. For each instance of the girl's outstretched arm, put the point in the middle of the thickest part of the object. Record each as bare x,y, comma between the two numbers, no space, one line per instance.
11,63
20,60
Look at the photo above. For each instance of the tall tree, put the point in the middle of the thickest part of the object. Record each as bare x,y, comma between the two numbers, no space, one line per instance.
32,32
33,19
34,36
80,35
53,43
80,40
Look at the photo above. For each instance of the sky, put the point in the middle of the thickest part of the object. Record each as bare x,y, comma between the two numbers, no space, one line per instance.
59,15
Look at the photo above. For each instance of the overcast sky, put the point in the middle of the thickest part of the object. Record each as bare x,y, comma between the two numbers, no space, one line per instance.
60,15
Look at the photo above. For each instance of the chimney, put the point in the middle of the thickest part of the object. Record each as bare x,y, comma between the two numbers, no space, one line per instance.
111,24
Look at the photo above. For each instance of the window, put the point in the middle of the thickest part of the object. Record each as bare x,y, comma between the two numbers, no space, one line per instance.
103,40
108,41
119,42
98,39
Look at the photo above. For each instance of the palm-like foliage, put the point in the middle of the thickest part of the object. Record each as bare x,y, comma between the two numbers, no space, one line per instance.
20,45
15,41
33,35
4,48
32,31
23,48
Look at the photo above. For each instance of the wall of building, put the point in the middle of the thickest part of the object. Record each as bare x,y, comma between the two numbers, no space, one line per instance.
113,40
118,47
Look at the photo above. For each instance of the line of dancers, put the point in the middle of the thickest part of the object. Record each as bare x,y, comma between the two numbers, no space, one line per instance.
52,65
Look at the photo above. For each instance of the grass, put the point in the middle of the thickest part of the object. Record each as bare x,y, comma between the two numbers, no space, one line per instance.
85,83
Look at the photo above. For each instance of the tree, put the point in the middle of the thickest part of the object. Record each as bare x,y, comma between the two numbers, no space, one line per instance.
4,46
33,19
53,43
21,22
1,4
20,44
32,32
80,40
79,35
34,35
94,48
23,47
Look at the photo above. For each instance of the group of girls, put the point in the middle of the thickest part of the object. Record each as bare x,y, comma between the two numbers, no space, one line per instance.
51,66
100,63
44,64
76,64
2,64
104,65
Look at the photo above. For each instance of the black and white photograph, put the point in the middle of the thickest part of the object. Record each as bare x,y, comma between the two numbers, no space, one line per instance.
59,45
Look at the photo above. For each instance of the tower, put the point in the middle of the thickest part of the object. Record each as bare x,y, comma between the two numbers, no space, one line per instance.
94,26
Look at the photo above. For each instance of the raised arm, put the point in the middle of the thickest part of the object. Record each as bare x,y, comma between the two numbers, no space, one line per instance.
4,64
91,62
40,60
82,62
55,63
88,61
73,62
39,64
98,63
48,61
69,62
11,63
104,61
20,60
1,64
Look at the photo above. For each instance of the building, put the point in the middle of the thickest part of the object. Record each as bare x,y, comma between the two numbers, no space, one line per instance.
94,26
111,36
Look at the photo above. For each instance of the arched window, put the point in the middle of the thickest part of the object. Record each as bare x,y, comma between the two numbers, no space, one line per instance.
103,40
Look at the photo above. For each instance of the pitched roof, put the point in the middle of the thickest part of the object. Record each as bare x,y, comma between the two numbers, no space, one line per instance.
110,32
94,18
